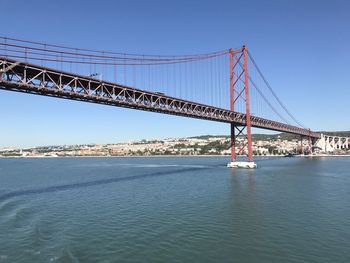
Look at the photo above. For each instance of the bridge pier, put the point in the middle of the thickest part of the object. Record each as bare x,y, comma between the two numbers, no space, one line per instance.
242,146
243,94
301,145
330,147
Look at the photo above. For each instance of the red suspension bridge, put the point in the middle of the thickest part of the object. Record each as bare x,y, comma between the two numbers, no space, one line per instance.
224,86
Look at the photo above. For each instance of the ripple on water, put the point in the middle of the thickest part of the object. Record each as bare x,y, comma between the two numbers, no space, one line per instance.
9,205
3,257
117,210
18,214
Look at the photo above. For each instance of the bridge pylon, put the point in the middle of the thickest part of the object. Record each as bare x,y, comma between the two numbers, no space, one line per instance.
241,142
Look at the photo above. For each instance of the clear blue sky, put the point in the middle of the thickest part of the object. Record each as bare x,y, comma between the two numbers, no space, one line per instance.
302,47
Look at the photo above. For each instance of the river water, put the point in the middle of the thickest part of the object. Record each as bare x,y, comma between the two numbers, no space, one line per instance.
180,209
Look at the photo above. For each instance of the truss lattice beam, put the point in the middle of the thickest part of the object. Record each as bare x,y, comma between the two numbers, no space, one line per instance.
34,79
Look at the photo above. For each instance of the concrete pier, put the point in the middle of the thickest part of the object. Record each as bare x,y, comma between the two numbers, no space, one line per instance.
247,165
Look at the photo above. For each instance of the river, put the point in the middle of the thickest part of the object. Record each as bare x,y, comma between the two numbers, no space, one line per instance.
181,209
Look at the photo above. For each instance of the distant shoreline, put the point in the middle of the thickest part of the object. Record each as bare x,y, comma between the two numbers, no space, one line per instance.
326,155
177,156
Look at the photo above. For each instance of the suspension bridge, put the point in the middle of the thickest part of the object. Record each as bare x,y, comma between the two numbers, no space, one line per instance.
224,86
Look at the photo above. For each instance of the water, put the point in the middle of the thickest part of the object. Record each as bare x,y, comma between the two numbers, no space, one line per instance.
174,210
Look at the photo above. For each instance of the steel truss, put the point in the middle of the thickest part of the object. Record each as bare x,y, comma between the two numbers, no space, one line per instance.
240,75
29,78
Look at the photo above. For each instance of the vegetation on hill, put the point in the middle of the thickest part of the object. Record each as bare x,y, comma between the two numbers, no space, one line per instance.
282,136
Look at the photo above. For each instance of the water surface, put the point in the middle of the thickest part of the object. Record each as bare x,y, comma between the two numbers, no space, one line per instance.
174,210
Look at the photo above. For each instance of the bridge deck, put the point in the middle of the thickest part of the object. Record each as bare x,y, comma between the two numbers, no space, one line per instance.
34,79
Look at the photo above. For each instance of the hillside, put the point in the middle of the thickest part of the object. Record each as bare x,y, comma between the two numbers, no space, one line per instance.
282,136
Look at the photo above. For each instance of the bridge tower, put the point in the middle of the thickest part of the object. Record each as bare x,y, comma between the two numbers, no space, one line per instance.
241,142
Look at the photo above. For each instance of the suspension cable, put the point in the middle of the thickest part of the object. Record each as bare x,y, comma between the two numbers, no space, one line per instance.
273,92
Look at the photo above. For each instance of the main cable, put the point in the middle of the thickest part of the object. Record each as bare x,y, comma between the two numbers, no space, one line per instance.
273,92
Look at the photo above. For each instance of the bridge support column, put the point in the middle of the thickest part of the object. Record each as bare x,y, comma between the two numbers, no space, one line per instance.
321,143
330,147
245,145
233,143
301,145
311,143
340,142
